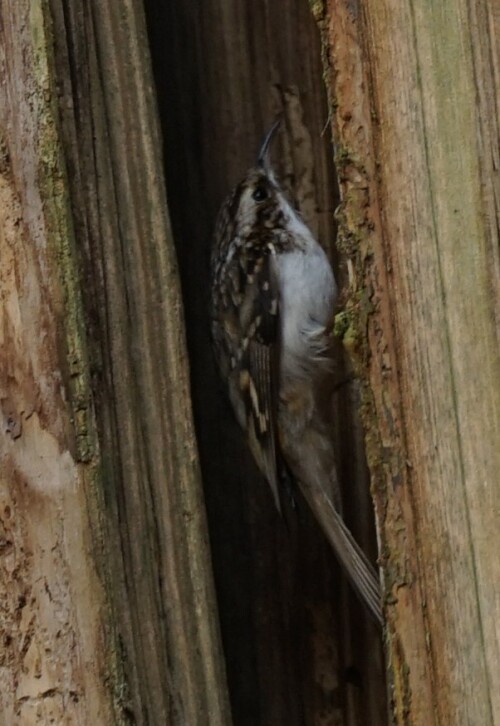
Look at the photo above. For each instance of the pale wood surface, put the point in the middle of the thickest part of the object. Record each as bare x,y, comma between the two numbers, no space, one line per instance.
417,87
53,624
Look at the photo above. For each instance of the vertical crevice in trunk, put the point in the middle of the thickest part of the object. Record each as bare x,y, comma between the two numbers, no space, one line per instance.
299,647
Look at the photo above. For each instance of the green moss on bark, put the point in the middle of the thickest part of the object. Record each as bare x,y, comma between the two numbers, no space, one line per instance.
57,214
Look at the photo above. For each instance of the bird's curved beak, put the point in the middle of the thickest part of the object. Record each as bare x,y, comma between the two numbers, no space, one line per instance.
263,157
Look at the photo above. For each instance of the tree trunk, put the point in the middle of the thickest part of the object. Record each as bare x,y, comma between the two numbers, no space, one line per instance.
415,88
108,611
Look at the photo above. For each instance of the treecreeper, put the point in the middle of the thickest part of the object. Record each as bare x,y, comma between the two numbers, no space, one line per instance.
273,296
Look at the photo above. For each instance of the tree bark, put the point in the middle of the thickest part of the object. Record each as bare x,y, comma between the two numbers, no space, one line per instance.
415,92
108,610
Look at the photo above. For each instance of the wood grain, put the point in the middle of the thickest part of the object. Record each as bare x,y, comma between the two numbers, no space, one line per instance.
108,608
57,647
161,580
427,254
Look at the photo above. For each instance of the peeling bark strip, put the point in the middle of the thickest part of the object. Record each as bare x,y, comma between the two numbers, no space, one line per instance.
415,93
103,548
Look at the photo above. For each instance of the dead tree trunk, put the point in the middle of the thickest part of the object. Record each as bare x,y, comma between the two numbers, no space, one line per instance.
107,606
415,90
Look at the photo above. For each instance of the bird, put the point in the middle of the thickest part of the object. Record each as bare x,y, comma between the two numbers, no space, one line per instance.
273,293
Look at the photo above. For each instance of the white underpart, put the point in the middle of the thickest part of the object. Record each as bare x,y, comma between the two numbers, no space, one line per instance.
307,295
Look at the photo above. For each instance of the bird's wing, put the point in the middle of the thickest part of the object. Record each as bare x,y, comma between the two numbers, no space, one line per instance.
258,365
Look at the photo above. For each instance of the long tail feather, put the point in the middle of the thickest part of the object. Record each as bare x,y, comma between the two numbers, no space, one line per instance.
358,568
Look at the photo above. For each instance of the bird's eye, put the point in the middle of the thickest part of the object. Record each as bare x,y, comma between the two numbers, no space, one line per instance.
259,194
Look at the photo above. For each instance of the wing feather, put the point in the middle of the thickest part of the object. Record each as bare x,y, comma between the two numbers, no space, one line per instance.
259,364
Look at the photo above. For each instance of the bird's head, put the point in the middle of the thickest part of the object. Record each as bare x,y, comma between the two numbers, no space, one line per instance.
257,201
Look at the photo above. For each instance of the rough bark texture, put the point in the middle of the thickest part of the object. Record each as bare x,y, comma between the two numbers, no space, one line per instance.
107,608
55,637
416,92
299,648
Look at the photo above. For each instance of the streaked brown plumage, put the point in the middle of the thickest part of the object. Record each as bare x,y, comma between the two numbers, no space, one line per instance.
273,293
